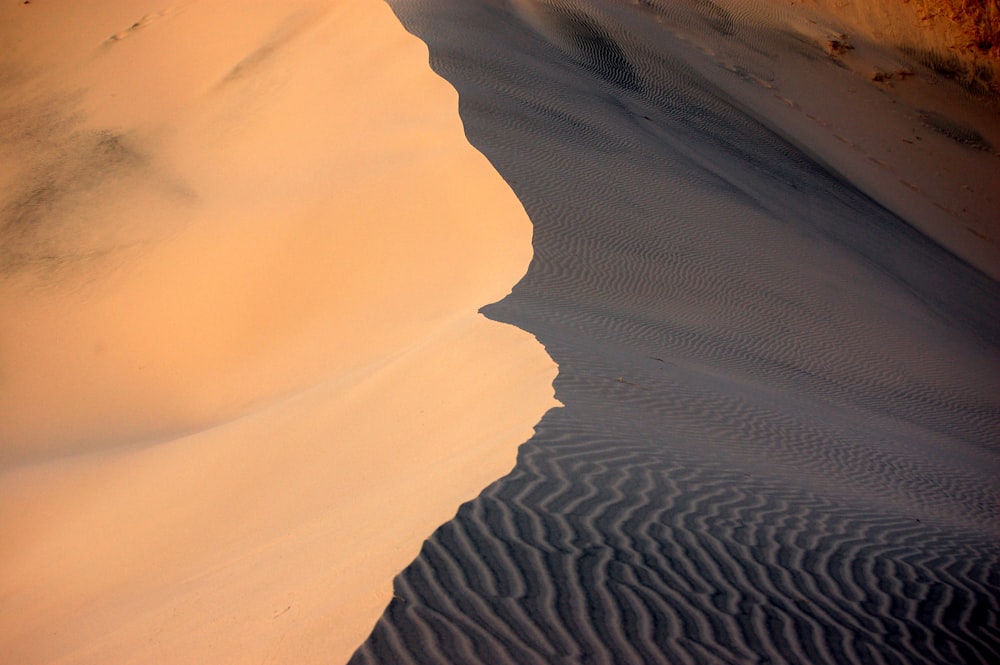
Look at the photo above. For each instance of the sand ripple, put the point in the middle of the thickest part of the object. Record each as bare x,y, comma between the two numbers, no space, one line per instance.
779,435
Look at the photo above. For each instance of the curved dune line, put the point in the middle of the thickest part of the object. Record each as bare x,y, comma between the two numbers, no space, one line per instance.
779,433
242,371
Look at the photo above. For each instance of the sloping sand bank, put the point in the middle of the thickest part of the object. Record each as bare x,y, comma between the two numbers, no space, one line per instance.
765,279
242,372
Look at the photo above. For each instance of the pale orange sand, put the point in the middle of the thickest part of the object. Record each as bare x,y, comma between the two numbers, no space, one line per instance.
241,366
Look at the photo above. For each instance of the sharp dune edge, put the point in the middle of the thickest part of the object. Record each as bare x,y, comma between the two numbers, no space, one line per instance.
242,376
242,372
767,273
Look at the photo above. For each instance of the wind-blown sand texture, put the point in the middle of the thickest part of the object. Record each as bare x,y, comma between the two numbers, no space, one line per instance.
242,376
242,372
754,266
959,39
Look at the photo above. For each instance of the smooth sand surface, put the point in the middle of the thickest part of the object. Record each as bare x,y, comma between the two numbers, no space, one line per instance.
769,283
242,372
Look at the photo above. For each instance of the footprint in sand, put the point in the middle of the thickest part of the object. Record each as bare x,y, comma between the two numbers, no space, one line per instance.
818,120
789,102
141,23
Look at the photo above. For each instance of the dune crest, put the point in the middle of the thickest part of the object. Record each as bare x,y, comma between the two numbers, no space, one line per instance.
769,296
241,365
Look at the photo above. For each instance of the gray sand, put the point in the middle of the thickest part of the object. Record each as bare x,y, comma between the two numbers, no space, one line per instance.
779,439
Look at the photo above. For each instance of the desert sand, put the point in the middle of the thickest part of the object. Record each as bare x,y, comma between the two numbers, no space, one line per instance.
244,381
768,277
242,370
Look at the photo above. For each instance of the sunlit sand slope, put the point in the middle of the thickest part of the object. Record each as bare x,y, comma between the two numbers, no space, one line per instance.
242,372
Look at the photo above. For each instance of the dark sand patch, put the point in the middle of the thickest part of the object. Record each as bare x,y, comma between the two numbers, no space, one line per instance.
779,435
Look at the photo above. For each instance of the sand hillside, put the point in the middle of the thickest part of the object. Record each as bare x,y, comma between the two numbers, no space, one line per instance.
769,282
242,373
242,376
959,39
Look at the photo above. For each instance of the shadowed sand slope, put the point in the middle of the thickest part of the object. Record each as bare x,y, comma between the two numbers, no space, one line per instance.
754,266
242,371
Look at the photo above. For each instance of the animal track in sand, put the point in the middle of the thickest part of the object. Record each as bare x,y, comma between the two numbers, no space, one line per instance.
138,25
818,120
983,236
790,103
901,73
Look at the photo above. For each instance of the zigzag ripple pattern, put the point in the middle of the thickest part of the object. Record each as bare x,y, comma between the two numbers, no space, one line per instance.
779,439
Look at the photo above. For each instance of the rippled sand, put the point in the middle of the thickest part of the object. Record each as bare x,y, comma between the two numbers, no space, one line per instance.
779,369
242,376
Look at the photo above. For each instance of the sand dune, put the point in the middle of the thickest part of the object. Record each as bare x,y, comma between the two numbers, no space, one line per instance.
242,372
769,283
243,377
